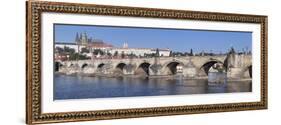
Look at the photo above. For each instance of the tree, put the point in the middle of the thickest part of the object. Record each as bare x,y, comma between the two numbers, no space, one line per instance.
232,51
157,53
249,52
191,52
131,55
69,50
178,54
109,54
76,56
116,53
85,50
98,51
123,54
171,53
59,49
102,52
144,55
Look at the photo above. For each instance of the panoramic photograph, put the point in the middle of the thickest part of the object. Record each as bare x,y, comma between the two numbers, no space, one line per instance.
92,61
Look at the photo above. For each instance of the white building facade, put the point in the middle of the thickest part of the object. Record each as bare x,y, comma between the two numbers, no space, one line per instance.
82,41
113,50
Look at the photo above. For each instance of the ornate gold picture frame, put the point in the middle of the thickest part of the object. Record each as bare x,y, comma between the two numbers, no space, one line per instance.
35,72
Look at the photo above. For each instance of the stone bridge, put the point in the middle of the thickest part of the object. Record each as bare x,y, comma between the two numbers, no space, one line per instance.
188,66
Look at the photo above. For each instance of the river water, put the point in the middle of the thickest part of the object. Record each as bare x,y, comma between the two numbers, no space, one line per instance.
78,87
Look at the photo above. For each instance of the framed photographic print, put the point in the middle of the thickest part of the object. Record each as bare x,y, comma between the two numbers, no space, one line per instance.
92,62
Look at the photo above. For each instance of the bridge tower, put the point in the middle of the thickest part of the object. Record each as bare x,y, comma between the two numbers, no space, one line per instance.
234,64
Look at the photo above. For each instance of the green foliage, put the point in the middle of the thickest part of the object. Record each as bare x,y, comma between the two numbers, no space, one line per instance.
109,54
68,50
132,55
150,55
116,53
191,52
77,56
122,54
85,50
232,51
178,54
59,50
98,51
171,54
157,53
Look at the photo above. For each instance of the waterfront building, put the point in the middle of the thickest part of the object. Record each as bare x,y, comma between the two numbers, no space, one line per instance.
66,44
138,51
83,41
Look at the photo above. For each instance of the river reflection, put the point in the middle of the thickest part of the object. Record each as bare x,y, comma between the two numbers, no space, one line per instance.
75,87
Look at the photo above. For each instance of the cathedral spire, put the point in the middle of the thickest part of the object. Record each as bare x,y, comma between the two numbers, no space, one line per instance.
84,39
125,45
80,36
77,40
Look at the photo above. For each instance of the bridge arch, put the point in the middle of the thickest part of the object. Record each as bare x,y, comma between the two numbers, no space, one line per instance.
120,66
248,71
85,65
100,66
207,65
171,68
58,65
143,69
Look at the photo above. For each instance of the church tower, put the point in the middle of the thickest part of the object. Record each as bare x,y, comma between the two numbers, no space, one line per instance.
84,39
77,39
125,45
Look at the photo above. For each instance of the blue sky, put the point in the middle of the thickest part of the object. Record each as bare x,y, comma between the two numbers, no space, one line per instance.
175,39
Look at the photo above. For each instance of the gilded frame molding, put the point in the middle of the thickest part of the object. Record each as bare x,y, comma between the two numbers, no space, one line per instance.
33,61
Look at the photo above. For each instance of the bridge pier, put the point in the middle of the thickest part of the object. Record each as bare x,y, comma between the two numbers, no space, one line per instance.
88,70
129,69
104,69
189,70
155,70
236,72
73,69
